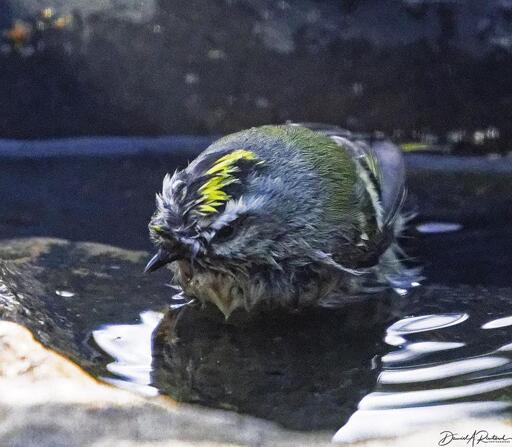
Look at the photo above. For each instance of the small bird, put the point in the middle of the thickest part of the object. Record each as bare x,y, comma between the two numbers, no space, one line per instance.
286,215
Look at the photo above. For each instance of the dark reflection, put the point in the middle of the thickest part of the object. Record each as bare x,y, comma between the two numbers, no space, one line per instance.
306,371
386,365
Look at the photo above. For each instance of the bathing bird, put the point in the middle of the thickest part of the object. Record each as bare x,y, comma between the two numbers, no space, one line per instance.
287,215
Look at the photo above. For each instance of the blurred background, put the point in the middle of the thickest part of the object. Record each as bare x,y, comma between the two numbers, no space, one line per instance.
100,98
431,71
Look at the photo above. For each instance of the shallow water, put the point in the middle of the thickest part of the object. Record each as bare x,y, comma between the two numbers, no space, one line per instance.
373,369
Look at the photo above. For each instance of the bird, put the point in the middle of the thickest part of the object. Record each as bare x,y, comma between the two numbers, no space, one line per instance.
290,215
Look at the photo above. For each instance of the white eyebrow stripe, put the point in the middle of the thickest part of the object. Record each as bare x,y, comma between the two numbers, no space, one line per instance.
235,208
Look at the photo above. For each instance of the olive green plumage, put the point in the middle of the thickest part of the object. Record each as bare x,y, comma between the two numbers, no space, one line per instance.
283,215
334,166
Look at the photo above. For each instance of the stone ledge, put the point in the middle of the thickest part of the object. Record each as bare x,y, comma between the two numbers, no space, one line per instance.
45,400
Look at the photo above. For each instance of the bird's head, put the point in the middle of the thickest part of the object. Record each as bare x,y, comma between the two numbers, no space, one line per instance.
214,228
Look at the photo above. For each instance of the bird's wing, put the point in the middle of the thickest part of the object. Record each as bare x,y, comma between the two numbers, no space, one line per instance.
382,159
384,174
391,173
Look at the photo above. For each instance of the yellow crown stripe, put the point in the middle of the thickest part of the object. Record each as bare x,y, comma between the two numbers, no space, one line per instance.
222,173
224,168
207,209
158,229
217,196
215,204
230,159
216,183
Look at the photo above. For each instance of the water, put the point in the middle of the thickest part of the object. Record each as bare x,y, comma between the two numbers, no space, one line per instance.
373,369
438,227
443,368
318,371
130,347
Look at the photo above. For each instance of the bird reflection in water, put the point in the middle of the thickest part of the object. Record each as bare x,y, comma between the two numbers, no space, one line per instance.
306,371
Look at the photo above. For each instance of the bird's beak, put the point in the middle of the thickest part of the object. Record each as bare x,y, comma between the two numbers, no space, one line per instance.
160,259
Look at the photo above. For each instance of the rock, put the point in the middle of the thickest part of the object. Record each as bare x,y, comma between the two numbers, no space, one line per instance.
307,375
46,401
61,291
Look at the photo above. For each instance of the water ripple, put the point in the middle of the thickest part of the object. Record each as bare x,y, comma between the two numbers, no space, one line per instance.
427,323
436,374
395,422
130,347
500,322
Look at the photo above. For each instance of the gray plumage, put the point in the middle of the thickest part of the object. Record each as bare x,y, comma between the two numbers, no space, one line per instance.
302,216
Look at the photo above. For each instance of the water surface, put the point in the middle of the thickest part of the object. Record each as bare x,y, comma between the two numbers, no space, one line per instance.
372,369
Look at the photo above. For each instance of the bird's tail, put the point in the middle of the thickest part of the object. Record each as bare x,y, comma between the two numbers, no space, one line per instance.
391,270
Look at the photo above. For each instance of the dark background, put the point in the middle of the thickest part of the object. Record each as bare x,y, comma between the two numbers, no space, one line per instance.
414,69
430,71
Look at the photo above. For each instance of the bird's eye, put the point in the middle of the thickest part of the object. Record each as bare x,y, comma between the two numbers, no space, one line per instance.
224,233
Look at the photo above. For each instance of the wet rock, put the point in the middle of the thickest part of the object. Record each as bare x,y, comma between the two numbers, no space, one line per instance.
59,289
45,400
307,374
